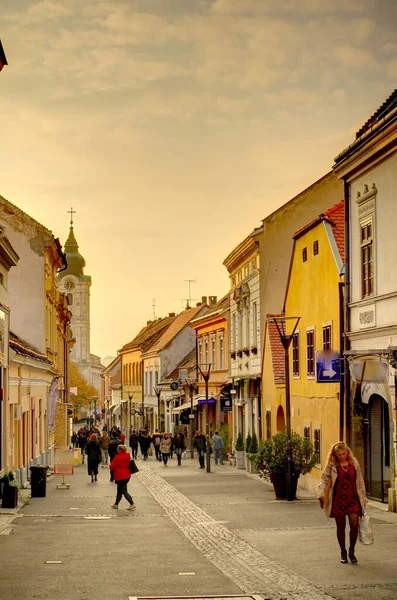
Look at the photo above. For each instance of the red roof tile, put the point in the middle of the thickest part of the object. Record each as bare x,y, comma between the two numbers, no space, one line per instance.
176,326
277,351
337,217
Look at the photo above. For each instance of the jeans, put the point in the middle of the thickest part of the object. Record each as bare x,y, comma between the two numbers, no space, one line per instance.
105,456
134,452
123,491
82,455
201,454
165,458
157,452
218,456
179,454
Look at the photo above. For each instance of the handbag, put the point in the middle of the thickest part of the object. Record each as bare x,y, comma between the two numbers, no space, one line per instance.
327,490
366,533
133,468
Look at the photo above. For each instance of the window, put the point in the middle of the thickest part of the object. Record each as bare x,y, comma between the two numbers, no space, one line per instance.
156,378
310,351
234,280
247,327
240,330
146,381
206,356
317,443
200,352
221,353
213,354
69,297
315,247
150,390
367,265
327,337
1,279
295,354
234,332
306,432
268,424
245,271
254,324
304,254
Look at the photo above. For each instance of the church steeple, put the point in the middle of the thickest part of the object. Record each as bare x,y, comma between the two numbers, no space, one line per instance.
74,259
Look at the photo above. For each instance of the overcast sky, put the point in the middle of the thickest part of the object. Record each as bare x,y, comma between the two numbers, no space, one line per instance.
174,126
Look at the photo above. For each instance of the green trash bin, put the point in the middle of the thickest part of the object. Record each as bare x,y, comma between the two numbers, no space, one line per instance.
38,481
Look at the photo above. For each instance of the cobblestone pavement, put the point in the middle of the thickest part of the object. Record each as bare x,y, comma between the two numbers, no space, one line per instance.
248,568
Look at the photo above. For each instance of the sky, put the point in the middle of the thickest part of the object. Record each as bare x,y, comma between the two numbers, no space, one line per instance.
173,127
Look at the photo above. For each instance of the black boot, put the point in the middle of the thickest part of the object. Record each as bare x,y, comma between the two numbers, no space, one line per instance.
352,557
343,557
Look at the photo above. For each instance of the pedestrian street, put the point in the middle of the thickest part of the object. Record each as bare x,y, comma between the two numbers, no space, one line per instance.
193,534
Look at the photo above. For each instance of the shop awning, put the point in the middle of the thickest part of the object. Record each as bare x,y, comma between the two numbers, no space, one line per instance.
117,410
185,406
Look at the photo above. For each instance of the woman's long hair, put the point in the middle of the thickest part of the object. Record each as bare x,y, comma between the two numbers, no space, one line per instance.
93,437
332,459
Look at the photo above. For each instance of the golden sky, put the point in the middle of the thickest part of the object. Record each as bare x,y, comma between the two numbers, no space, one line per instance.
174,126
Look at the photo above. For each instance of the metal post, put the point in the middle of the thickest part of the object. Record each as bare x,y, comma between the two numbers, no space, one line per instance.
288,419
191,390
129,418
143,396
207,420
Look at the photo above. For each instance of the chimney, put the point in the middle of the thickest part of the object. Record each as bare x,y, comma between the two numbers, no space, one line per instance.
212,300
204,300
148,322
171,314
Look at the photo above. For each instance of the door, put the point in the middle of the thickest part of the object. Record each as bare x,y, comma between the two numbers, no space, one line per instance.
280,419
379,449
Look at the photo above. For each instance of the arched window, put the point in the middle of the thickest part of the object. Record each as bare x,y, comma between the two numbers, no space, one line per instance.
70,299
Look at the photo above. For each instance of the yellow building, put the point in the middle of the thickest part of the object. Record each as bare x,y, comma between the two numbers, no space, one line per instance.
313,294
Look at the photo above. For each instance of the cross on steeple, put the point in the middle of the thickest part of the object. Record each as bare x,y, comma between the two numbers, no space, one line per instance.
71,212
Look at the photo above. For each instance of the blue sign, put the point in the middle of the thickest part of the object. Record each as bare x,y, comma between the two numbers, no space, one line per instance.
327,366
211,400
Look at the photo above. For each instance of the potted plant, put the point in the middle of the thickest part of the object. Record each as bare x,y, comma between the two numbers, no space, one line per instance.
9,490
254,349
253,451
240,452
233,354
239,353
271,461
246,351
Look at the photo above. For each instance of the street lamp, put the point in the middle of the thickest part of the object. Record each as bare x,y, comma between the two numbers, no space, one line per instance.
157,391
192,386
206,377
286,339
130,397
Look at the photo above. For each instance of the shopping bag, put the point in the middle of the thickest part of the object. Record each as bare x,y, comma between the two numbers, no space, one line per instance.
366,534
150,452
184,456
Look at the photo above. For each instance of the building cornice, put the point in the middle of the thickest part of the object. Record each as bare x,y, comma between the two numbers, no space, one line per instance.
243,251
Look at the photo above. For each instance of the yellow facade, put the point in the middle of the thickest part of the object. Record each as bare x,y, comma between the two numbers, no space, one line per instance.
313,295
273,394
131,385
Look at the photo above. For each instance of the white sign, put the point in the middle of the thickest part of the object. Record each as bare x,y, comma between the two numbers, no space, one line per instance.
369,369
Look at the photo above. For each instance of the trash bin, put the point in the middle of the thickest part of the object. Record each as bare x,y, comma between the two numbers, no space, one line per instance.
38,481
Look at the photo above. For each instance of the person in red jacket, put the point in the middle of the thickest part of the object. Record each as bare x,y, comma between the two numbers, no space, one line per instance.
120,467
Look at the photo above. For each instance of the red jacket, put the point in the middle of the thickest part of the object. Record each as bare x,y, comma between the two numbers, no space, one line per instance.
120,466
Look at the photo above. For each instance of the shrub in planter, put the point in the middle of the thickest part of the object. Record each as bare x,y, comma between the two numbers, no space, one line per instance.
248,441
254,444
9,490
240,453
251,466
271,460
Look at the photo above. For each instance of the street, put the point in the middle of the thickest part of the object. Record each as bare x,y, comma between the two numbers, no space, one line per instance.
193,534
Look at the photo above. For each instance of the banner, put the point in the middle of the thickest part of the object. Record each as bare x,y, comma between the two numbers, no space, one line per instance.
53,396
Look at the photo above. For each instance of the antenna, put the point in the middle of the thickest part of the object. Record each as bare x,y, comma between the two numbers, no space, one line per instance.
154,307
183,300
189,301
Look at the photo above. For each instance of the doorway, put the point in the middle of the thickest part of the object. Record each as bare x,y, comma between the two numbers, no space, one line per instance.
378,449
280,419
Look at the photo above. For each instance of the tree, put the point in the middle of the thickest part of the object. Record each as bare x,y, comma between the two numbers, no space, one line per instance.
248,440
85,391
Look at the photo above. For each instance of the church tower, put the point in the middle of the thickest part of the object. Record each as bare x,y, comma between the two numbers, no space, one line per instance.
76,286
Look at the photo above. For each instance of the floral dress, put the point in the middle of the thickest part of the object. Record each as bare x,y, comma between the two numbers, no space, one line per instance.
345,500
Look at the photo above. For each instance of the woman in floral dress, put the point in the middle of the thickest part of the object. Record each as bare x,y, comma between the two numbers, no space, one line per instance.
342,494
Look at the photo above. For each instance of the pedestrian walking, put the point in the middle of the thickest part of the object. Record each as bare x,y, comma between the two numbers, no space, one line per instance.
113,445
180,447
144,441
104,441
165,448
81,443
200,443
94,456
122,437
134,440
120,467
74,439
156,443
341,494
217,442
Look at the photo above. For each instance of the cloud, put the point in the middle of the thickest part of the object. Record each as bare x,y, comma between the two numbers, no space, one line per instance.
356,58
288,6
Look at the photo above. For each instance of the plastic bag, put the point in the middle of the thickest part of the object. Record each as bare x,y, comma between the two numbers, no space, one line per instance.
366,534
184,455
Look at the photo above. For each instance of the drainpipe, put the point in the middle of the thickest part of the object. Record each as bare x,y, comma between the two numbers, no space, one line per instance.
346,319
342,374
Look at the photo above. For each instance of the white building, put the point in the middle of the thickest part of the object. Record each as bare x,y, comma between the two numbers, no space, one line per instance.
76,285
245,336
369,169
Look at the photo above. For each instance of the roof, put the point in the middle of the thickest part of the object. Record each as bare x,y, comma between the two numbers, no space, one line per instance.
242,250
336,217
3,60
176,327
148,334
216,309
388,105
189,362
25,349
277,351
75,261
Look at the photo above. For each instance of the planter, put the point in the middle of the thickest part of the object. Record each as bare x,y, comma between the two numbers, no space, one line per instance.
246,351
254,349
239,353
252,468
10,497
232,355
279,481
240,459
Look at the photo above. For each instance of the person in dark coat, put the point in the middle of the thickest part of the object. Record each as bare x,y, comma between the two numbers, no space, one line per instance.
113,445
94,456
179,445
200,443
144,441
134,440
81,443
